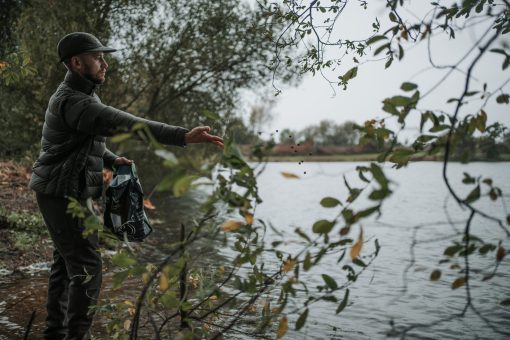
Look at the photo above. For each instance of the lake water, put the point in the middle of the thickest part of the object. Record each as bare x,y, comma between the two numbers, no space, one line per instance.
396,287
379,296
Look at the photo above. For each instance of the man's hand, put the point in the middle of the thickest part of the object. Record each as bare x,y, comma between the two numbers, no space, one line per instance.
200,134
122,161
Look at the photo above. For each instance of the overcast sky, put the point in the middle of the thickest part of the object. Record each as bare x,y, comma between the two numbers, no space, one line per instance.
314,100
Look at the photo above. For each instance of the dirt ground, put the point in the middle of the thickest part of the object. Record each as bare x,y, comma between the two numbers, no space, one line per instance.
16,197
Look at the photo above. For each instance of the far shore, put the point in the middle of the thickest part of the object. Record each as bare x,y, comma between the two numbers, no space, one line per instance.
364,157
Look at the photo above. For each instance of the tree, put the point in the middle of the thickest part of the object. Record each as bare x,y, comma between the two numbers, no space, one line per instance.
188,59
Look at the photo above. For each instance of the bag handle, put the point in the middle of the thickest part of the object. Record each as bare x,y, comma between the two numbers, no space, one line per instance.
125,169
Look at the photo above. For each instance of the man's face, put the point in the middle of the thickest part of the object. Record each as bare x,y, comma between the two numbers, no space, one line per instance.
93,66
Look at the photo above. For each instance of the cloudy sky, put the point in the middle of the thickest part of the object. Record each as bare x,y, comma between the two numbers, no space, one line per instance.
314,100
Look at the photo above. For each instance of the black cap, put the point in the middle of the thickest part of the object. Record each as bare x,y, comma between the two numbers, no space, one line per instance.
79,42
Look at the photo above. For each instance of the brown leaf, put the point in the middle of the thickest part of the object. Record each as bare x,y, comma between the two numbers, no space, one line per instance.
436,274
356,248
107,176
231,225
282,327
148,204
289,175
505,302
248,217
163,282
459,282
288,265
345,230
500,254
493,195
127,324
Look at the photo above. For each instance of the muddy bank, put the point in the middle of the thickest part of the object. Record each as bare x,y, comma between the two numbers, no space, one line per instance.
24,242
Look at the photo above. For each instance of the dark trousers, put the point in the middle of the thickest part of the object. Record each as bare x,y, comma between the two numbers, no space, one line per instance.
75,277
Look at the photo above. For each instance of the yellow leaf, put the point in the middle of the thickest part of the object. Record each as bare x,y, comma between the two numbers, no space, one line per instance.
356,248
148,204
231,225
129,303
282,327
145,277
163,282
459,282
127,324
289,175
288,265
248,217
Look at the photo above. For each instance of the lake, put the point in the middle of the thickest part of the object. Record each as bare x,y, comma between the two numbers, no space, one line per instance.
396,287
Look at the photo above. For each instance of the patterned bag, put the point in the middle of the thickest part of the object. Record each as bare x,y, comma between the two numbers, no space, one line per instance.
124,215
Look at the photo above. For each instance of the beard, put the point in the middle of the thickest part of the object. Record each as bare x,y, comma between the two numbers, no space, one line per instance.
91,76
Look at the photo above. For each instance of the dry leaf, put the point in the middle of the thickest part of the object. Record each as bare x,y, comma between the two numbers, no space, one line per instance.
163,282
289,175
231,225
127,324
458,282
248,217
282,327
436,274
288,265
500,254
107,176
345,230
356,248
148,204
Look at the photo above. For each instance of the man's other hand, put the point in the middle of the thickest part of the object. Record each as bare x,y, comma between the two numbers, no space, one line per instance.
122,161
200,134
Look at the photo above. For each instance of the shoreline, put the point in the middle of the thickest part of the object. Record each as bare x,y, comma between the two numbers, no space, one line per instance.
369,157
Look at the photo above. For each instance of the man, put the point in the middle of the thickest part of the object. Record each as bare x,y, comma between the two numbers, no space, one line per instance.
70,164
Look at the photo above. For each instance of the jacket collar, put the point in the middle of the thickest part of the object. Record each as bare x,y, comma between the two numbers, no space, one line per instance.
78,83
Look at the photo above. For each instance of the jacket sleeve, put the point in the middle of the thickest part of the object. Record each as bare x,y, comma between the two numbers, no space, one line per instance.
108,158
89,116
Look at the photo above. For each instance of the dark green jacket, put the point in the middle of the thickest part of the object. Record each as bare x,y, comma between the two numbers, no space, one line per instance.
73,150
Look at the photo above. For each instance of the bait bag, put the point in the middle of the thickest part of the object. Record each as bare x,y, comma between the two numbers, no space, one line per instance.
124,215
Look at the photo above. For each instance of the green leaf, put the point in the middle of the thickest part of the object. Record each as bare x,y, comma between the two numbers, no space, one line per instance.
169,300
503,99
381,48
330,282
211,115
359,262
378,175
408,86
330,202
119,278
301,320
122,259
352,73
183,184
167,155
322,226
452,250
401,156
120,137
473,195
342,304
368,212
307,264
302,234
375,39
